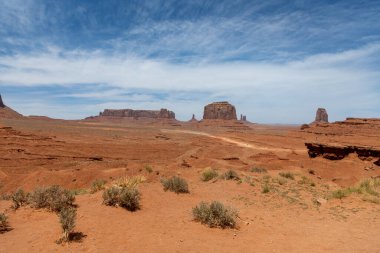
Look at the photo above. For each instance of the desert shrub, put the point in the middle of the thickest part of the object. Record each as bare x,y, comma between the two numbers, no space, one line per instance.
215,215
111,196
279,180
209,174
19,198
126,197
306,181
265,188
340,194
368,188
288,175
130,182
67,218
175,184
258,170
148,169
79,191
98,185
231,175
4,226
129,198
53,198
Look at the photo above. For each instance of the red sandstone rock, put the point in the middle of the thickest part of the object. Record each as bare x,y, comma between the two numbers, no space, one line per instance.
161,114
2,105
220,110
321,116
193,119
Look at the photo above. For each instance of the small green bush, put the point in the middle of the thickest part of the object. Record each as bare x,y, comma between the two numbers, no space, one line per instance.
288,175
111,196
258,170
53,198
340,194
265,189
19,199
129,198
231,175
215,215
4,226
67,218
98,185
175,184
209,174
126,197
148,169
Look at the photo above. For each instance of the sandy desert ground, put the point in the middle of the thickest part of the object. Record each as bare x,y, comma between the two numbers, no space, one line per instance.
296,215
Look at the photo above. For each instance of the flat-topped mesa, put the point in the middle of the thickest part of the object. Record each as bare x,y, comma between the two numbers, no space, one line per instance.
129,113
220,110
321,116
2,105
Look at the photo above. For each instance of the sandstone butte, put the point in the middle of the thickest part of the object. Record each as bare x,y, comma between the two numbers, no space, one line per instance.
220,110
322,116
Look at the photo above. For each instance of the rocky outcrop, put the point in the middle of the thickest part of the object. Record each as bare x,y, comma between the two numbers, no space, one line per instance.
2,105
321,116
338,152
220,110
193,119
129,113
243,117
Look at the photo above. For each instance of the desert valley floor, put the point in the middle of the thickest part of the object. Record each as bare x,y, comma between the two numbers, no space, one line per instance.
295,215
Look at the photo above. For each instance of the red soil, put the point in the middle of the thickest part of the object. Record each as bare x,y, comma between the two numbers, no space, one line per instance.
38,152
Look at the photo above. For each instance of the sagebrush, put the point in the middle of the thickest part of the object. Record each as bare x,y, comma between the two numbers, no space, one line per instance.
215,214
67,218
175,184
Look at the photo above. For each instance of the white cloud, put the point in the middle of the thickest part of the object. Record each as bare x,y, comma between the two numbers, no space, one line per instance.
287,92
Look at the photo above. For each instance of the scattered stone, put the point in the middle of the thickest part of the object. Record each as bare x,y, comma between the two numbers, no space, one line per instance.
220,110
322,116
321,201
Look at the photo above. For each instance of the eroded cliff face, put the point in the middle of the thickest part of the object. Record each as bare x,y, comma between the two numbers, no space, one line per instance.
220,110
337,140
129,113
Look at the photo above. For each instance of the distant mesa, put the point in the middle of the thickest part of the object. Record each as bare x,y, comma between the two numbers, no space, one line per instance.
321,116
135,114
220,110
243,117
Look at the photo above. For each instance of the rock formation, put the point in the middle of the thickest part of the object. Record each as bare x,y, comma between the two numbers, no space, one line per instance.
220,110
338,152
129,113
321,116
243,117
193,119
2,105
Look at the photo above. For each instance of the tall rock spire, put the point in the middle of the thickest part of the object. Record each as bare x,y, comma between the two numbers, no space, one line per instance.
2,105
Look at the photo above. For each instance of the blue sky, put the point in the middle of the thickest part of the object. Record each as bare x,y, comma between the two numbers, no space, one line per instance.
276,61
